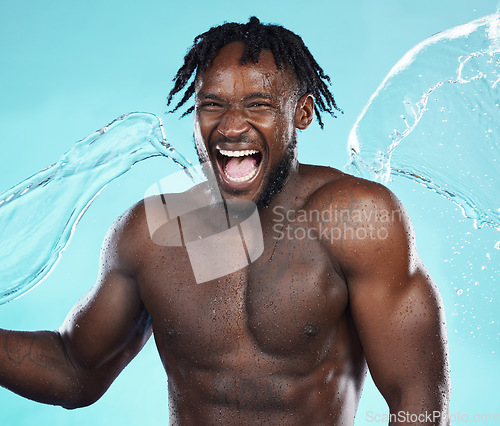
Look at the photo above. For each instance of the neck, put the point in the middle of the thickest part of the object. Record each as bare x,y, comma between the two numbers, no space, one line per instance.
279,176
287,193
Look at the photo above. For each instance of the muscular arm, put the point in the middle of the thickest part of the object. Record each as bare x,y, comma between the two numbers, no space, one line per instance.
75,365
396,307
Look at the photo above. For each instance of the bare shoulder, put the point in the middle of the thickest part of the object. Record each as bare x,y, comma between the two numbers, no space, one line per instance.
356,198
341,189
362,221
127,239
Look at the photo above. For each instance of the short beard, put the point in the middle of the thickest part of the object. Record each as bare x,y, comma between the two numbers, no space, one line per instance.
278,176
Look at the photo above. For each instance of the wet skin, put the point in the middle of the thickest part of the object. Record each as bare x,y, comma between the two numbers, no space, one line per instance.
286,340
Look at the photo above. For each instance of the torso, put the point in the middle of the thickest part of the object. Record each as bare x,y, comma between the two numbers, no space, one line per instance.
271,343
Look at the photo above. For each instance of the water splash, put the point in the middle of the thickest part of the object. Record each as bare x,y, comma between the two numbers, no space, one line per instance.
38,216
438,125
435,119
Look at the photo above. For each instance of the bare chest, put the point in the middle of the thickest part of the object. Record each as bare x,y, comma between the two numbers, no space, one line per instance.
287,304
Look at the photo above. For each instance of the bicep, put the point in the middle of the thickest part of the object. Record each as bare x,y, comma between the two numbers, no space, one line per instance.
402,330
105,321
110,324
396,307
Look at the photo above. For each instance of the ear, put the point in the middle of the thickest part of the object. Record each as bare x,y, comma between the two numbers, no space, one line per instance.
304,111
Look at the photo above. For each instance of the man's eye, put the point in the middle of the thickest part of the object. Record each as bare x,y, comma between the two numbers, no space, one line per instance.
210,105
260,105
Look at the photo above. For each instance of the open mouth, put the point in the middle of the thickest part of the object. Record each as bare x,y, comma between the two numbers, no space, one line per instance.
239,166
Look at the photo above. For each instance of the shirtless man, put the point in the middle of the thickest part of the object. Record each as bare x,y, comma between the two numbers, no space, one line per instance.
338,288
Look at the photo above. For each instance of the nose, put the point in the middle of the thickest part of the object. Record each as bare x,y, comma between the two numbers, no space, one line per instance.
233,124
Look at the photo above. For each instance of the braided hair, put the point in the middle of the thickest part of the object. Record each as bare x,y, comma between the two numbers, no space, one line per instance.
287,48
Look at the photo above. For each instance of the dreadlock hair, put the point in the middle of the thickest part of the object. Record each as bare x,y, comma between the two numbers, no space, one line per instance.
287,48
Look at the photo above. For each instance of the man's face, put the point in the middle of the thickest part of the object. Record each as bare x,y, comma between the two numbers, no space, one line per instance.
245,122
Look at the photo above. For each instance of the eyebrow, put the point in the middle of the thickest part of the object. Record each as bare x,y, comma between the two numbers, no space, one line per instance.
260,95
205,95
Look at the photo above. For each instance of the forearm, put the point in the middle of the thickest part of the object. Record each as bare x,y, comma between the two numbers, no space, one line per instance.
423,416
425,405
35,365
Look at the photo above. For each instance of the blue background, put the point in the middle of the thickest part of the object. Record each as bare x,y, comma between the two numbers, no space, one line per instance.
68,68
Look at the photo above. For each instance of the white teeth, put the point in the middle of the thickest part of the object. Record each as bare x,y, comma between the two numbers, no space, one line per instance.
241,153
243,178
238,153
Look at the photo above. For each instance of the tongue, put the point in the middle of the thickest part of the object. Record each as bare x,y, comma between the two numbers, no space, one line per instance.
237,167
